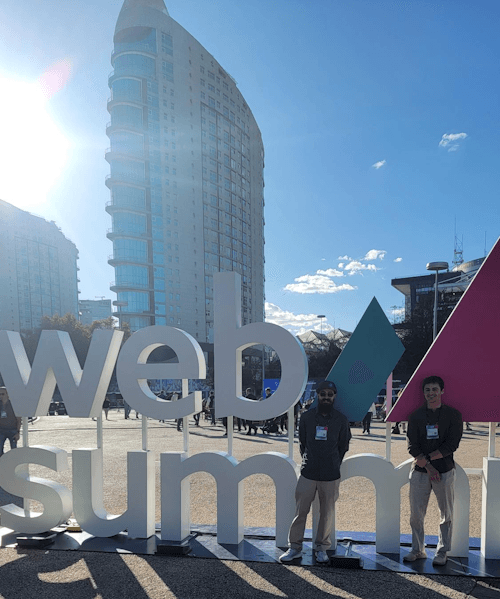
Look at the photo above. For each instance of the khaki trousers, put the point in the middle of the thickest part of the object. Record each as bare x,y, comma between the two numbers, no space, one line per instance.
420,491
328,493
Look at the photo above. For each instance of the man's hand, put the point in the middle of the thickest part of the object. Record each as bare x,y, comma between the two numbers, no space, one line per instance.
17,436
421,462
433,473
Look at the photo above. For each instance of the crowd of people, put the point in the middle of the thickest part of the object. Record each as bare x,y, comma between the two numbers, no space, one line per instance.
277,425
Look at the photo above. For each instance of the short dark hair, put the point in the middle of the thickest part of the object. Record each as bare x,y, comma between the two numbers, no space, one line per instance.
433,379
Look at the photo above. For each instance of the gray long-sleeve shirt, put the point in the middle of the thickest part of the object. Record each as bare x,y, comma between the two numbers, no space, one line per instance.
321,459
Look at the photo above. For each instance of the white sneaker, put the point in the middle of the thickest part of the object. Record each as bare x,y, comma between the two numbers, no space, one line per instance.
439,559
290,555
414,555
322,557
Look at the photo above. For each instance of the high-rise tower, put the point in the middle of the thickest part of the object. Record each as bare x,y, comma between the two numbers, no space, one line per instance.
187,187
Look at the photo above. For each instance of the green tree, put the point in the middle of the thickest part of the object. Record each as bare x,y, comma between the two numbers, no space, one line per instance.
321,362
79,333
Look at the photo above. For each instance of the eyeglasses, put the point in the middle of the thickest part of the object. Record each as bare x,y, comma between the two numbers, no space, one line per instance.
323,394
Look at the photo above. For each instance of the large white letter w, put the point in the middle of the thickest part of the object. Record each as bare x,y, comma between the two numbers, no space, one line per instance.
83,391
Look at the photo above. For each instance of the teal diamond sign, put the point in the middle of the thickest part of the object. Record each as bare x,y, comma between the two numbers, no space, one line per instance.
367,360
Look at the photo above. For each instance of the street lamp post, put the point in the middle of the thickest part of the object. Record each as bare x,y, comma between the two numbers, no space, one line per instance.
436,266
321,316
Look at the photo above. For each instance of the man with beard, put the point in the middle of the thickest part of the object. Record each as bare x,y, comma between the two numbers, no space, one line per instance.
324,436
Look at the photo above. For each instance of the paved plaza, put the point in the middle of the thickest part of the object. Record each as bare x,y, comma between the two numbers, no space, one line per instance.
40,573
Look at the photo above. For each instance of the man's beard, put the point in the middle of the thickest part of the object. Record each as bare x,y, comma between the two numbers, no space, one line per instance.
326,408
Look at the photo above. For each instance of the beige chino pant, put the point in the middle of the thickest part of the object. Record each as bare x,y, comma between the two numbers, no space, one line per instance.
328,493
420,491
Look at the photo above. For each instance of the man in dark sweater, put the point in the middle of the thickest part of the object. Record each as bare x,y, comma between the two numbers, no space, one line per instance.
434,433
10,424
324,436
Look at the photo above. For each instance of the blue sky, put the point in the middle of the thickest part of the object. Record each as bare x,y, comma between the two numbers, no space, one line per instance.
380,123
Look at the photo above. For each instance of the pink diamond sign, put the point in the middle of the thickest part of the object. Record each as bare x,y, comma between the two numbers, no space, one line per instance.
466,353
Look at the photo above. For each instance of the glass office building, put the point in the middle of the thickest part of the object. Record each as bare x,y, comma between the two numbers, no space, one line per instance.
186,177
38,270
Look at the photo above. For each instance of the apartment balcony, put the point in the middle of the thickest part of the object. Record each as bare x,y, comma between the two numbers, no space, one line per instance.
115,232
113,154
112,127
115,260
124,285
111,180
129,71
111,208
146,48
114,101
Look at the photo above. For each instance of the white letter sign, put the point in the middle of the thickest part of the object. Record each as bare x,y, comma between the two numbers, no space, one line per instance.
56,498
133,373
83,391
231,339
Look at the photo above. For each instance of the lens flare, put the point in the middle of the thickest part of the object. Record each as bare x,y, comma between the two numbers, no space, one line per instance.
33,150
56,77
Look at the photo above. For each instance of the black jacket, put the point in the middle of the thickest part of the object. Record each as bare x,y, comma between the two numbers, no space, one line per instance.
450,428
321,459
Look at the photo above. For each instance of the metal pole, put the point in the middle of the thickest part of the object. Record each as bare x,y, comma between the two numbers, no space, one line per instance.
144,423
185,420
435,321
291,431
230,435
388,406
25,467
491,439
24,421
99,432
388,427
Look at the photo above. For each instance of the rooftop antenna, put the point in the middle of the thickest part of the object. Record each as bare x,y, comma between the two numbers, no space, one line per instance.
458,252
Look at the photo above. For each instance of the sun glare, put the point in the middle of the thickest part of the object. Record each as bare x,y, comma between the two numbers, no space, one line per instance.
33,150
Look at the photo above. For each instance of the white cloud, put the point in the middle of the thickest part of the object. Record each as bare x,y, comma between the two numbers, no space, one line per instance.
379,164
449,140
398,260
295,323
341,264
354,267
374,254
316,284
330,272
344,258
398,311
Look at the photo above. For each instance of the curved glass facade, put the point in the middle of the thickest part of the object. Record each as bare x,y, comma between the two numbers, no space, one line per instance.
131,250
186,180
135,64
127,116
126,89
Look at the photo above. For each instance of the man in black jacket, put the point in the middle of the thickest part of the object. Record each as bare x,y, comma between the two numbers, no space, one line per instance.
324,436
434,433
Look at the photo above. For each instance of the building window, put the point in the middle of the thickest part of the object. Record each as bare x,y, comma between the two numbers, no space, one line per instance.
167,46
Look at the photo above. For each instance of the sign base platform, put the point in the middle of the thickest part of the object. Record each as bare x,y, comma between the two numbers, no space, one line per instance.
259,546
